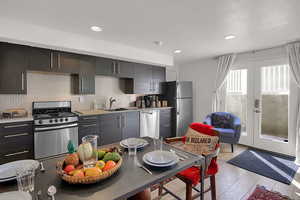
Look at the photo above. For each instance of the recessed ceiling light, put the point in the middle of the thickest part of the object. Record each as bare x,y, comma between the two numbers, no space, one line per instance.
229,37
177,51
96,28
158,43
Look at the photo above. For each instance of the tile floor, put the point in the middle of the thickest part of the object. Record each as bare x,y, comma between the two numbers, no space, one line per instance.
234,183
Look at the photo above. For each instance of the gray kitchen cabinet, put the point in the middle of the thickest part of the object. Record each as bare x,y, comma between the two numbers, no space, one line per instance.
117,126
42,59
165,120
110,67
110,128
84,82
13,61
16,140
68,63
130,124
147,79
88,125
158,76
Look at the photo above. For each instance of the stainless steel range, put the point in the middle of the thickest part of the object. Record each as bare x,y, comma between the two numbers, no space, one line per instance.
54,126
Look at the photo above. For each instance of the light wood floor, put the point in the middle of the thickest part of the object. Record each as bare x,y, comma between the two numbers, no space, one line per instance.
234,183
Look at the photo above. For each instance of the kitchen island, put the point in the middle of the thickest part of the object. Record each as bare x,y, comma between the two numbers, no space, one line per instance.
129,180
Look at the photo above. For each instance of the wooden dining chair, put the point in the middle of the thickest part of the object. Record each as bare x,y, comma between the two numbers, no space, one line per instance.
191,176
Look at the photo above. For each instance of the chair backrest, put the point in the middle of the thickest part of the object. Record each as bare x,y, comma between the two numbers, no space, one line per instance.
222,119
201,139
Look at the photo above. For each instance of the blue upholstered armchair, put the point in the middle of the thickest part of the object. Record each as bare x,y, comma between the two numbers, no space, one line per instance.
227,124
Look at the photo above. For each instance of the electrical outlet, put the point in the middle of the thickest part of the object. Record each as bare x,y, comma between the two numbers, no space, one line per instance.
81,99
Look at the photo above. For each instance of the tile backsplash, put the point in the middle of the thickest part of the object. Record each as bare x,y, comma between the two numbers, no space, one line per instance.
53,87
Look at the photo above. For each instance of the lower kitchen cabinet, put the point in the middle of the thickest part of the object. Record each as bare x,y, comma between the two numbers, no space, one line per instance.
165,120
131,124
16,140
88,125
117,126
110,128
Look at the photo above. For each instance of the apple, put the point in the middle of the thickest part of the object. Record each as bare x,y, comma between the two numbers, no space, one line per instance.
69,168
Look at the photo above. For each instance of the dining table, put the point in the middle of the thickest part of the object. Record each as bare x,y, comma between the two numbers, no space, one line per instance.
129,180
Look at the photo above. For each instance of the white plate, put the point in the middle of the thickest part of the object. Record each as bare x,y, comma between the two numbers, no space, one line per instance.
15,195
160,165
8,170
135,141
160,157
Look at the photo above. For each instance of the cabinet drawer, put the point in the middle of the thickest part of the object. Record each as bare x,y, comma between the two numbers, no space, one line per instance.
88,119
18,149
15,131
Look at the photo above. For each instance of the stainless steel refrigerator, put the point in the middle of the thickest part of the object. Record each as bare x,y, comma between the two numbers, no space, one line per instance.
179,95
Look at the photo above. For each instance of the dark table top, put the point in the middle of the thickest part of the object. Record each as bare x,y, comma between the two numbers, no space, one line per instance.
128,181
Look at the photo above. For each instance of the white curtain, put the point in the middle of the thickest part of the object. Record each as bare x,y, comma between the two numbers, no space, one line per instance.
293,50
224,64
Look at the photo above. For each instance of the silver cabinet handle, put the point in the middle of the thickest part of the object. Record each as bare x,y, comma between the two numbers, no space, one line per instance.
55,127
144,112
257,111
123,122
16,126
51,60
22,80
16,135
114,67
89,125
81,85
17,153
89,118
119,67
58,60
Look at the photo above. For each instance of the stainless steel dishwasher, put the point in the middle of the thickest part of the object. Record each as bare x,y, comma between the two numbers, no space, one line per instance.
149,123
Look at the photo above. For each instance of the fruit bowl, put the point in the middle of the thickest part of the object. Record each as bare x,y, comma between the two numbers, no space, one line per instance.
87,176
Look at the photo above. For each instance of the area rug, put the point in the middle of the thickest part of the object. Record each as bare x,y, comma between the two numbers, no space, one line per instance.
261,193
274,166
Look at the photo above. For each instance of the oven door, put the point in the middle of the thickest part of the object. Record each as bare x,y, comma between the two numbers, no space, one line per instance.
53,142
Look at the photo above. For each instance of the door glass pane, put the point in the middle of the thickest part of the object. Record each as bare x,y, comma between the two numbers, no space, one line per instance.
236,95
274,102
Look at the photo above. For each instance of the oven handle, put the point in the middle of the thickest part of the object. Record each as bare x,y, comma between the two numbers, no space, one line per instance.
55,127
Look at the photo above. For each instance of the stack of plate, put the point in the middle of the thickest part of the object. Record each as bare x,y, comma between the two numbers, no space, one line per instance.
15,195
8,170
160,158
138,142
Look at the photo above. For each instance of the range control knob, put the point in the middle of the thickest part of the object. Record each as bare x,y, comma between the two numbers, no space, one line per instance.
50,121
40,121
66,119
56,120
61,120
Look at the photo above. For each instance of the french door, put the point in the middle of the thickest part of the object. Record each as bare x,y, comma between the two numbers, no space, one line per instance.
263,96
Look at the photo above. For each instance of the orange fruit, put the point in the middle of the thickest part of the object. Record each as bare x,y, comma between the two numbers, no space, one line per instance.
69,168
109,165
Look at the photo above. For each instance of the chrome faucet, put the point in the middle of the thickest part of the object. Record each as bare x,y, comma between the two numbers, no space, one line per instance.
111,101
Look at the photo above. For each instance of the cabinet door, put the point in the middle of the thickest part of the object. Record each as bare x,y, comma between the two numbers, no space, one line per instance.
87,75
142,79
124,69
13,63
42,59
68,63
130,124
158,76
165,120
110,128
105,67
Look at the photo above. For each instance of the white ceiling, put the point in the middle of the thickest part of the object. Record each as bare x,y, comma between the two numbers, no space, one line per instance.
197,27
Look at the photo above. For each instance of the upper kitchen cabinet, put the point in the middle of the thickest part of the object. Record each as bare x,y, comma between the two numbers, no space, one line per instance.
47,60
158,76
13,62
42,59
84,82
147,79
109,67
68,63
